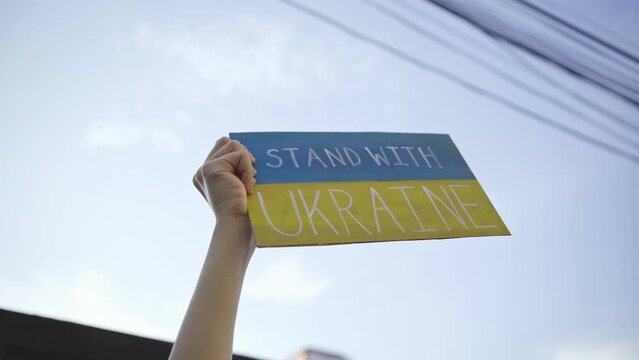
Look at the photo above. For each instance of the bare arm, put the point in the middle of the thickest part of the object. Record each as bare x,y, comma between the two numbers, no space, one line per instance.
224,180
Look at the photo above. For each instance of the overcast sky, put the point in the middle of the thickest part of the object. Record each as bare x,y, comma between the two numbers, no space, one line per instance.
108,108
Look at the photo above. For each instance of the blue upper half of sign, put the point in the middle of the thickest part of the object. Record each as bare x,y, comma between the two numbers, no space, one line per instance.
296,157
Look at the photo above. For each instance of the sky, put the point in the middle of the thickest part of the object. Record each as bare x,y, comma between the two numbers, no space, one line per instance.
107,110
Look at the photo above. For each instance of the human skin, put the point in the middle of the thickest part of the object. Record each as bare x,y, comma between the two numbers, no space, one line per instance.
224,180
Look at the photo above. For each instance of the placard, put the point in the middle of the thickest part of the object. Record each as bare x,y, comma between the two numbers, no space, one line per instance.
325,188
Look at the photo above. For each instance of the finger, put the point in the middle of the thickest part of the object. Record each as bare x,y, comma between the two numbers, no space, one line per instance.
232,145
218,144
229,147
248,175
239,163
244,170
197,182
234,162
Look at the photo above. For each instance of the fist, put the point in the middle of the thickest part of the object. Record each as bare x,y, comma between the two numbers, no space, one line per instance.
226,177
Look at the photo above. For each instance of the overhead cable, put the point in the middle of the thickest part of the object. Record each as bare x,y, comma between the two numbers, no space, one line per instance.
504,75
461,82
537,43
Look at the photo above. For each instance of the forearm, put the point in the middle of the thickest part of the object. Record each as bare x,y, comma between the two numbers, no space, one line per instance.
207,329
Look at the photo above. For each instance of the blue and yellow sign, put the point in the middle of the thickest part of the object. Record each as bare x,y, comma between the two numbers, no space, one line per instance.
338,188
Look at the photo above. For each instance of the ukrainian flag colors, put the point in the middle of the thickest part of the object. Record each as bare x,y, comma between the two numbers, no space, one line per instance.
337,188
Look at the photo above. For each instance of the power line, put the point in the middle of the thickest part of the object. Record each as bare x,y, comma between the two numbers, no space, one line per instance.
601,51
538,72
477,17
574,51
580,31
512,54
461,82
452,30
501,74
549,47
595,25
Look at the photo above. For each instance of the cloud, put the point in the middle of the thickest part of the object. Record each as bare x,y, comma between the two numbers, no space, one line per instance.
124,135
93,299
287,281
165,139
114,136
90,298
245,55
614,350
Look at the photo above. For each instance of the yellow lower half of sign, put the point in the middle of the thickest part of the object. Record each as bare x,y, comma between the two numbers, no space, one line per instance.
296,214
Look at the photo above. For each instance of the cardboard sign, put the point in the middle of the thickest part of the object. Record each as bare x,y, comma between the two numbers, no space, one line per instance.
339,188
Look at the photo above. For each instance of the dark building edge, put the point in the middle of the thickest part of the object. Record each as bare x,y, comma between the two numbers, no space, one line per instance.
30,337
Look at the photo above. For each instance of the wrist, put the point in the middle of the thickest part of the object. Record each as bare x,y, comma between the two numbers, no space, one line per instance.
233,236
238,225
